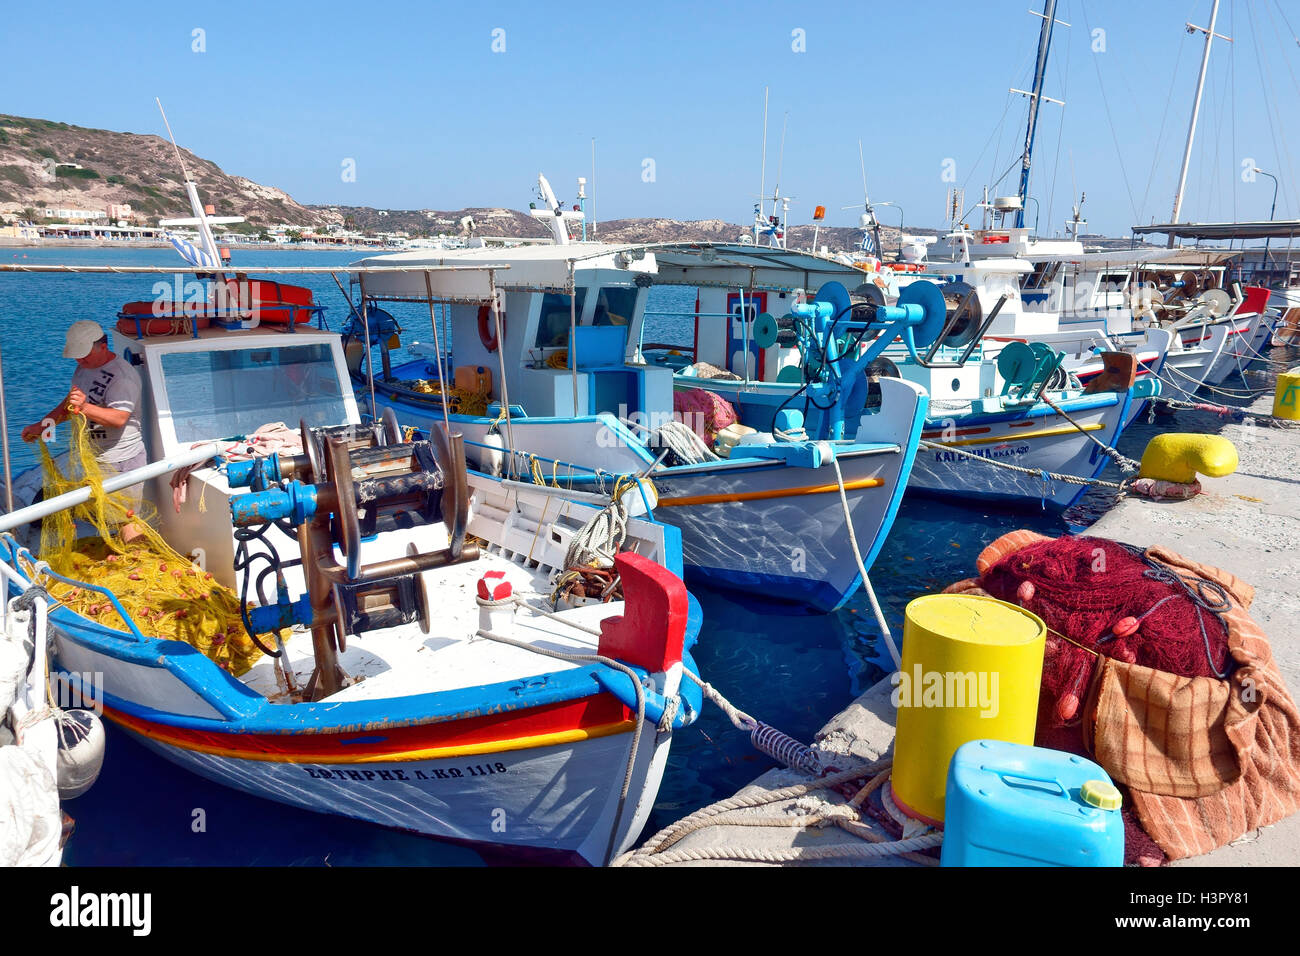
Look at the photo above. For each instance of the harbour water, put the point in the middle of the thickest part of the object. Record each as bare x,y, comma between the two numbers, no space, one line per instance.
788,667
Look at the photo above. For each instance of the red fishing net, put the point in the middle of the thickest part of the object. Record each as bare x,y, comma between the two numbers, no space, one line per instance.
1114,600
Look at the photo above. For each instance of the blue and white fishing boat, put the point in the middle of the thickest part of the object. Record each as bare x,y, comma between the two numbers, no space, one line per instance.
1019,408
446,673
556,348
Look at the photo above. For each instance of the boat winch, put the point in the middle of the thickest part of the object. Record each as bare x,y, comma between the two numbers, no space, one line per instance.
841,335
348,485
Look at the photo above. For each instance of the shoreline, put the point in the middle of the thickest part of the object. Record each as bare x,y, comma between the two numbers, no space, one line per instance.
8,242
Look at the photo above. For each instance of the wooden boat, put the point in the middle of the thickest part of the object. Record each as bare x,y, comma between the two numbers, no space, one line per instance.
431,683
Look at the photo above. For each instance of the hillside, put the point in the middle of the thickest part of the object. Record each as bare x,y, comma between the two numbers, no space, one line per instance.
515,224
123,168
46,164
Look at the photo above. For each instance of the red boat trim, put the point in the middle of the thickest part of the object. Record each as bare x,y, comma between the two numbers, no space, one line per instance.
597,716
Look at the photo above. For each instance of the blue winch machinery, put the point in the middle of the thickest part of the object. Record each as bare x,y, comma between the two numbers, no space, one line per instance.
840,336
349,484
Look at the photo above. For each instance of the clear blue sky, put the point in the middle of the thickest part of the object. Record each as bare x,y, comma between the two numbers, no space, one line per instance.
284,93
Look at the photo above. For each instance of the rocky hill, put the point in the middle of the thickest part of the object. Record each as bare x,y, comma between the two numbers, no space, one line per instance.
44,163
515,224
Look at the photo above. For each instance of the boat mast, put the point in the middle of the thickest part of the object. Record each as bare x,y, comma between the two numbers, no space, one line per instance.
1040,70
1196,109
192,191
762,177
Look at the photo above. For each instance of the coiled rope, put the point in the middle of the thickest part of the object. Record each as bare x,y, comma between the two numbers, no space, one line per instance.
689,447
657,851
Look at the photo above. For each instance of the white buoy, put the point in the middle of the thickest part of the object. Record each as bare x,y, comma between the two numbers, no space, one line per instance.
493,459
81,752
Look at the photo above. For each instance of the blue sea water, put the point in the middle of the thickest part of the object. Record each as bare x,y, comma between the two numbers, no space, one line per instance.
792,669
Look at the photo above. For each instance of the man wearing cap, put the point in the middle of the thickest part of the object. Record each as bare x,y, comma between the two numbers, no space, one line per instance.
106,390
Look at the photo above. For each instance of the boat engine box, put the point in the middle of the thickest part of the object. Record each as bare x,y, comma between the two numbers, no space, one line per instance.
1013,805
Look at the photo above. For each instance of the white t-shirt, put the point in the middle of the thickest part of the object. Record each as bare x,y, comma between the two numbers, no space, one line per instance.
113,385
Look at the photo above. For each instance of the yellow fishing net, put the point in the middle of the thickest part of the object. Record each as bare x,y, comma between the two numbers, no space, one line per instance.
459,400
164,593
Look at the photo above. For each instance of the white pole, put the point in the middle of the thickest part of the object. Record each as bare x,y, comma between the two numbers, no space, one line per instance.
1196,109
762,178
126,479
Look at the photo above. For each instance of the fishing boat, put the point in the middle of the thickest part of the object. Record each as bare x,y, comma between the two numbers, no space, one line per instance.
1017,407
555,349
412,645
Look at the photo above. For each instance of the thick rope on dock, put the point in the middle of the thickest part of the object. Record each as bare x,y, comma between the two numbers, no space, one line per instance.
657,851
1227,411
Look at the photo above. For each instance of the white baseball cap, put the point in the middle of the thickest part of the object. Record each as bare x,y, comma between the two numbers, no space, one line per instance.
82,338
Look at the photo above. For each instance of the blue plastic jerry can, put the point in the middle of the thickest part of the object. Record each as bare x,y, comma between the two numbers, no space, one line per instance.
1011,805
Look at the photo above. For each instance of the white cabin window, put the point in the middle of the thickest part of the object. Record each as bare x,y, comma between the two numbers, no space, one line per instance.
229,392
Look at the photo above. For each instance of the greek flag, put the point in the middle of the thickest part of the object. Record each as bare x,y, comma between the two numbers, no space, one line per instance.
192,253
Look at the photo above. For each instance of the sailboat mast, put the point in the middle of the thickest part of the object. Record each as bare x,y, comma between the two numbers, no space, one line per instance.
1196,109
1040,70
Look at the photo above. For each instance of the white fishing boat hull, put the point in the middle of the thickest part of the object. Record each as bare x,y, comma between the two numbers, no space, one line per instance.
555,804
1047,443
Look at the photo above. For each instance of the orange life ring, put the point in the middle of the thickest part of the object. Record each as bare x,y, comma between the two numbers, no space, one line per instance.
486,334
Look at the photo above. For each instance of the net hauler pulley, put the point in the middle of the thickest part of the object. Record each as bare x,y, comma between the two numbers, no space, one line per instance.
918,319
350,484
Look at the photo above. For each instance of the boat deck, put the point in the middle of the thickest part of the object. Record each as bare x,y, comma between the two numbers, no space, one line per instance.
400,661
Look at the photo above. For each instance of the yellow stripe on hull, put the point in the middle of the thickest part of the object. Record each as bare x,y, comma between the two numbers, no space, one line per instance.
770,493
1041,433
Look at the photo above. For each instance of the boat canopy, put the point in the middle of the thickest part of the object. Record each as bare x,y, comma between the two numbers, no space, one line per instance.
1270,229
730,265
1128,258
517,268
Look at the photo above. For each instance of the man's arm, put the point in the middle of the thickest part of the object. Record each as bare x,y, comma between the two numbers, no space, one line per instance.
108,417
58,415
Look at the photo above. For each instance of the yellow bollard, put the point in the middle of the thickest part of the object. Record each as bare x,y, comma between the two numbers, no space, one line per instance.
1286,399
970,671
1180,457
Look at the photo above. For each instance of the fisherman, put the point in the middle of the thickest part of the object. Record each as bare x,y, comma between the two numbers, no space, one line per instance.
106,390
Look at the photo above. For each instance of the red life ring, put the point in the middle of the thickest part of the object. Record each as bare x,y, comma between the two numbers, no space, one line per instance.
486,334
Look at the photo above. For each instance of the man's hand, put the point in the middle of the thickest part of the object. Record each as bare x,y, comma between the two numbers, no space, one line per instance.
76,400
33,431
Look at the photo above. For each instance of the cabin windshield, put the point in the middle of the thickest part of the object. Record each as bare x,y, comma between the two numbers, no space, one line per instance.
614,306
228,392
553,322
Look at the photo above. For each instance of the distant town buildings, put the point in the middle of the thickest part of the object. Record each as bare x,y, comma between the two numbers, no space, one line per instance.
75,215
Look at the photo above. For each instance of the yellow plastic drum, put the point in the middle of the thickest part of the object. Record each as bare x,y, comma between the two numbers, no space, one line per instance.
1286,400
971,670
